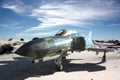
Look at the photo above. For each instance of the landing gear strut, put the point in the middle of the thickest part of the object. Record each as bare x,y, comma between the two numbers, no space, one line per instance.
59,65
104,57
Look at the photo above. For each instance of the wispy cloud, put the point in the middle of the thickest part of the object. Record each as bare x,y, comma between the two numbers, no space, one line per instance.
76,13
18,6
36,34
11,26
114,25
58,13
15,8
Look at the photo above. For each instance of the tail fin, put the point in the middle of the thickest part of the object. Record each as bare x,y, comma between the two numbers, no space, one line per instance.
88,40
90,35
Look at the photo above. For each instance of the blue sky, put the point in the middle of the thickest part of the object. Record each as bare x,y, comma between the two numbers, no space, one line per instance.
41,18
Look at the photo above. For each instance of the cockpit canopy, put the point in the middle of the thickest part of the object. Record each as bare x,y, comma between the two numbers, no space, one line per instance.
65,32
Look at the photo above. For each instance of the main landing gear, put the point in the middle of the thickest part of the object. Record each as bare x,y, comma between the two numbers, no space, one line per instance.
58,63
104,57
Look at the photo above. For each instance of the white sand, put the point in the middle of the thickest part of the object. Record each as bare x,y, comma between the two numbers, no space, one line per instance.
83,66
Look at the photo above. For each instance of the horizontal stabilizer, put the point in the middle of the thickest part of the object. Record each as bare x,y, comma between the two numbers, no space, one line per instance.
101,49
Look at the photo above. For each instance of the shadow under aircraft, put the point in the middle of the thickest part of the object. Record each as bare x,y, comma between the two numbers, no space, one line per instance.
16,70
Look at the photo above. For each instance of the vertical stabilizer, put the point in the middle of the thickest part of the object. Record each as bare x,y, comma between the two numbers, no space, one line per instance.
88,40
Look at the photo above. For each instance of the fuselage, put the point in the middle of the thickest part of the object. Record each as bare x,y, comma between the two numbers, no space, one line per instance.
53,47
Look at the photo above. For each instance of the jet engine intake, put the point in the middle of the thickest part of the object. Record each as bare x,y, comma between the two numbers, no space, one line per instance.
78,44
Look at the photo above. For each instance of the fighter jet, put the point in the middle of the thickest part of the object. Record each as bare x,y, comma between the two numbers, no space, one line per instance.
56,47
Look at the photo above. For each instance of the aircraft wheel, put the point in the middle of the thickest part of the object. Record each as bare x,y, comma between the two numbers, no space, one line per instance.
35,61
63,58
59,67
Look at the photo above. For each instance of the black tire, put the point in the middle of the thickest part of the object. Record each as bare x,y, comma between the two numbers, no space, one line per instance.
63,58
33,61
59,67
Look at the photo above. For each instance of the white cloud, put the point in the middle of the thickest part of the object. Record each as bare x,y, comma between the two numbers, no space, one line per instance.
36,34
15,8
44,33
114,25
77,14
53,22
11,26
18,6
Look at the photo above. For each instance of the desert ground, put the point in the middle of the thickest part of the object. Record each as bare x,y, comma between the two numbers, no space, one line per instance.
78,66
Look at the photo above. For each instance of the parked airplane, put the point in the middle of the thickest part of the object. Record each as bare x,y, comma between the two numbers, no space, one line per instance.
107,45
56,47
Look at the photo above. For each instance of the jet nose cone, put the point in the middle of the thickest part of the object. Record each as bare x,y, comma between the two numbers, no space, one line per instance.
23,50
33,49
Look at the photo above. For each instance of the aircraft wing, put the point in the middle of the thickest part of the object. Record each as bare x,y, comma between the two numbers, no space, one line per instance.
101,49
105,50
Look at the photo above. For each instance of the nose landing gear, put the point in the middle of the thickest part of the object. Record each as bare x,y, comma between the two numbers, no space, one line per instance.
59,65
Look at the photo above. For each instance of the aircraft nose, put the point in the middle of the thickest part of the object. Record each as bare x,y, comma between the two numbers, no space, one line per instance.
33,49
24,50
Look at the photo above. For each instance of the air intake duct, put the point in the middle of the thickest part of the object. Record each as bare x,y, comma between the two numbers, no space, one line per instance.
79,43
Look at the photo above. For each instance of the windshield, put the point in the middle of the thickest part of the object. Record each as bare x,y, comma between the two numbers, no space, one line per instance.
65,32
61,32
